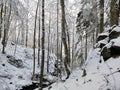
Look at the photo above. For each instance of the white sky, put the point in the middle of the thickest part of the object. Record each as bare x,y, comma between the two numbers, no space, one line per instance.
71,0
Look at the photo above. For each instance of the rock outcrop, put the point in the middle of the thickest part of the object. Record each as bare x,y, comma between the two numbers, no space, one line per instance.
15,62
109,43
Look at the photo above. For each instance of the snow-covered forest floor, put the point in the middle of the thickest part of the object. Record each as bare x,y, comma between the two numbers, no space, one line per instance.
17,74
101,70
100,76
96,74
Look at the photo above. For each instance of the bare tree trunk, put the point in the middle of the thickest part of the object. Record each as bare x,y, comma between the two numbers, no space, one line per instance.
57,34
68,42
114,13
73,47
67,60
43,47
23,35
6,27
1,20
16,42
97,28
93,38
27,26
48,43
39,38
119,6
101,16
86,45
34,40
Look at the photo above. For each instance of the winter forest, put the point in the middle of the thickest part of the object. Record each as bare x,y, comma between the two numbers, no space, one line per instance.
59,45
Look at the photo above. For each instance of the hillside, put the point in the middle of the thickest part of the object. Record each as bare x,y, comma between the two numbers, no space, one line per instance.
16,70
98,73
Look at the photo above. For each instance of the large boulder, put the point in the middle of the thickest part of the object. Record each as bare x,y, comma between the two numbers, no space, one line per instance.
101,37
15,62
102,43
106,53
114,34
115,51
110,46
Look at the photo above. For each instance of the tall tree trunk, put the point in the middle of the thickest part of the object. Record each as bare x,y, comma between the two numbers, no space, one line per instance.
48,43
39,38
93,37
73,47
67,60
114,13
57,34
1,20
27,26
17,40
86,45
23,35
6,26
119,6
101,16
43,47
34,40
61,56
68,41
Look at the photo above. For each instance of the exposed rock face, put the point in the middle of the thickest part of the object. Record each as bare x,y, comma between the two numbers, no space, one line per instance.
101,45
15,62
106,53
101,37
110,47
113,35
115,51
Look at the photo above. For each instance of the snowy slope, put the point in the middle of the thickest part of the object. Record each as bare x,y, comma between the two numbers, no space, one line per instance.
16,77
13,78
98,75
101,75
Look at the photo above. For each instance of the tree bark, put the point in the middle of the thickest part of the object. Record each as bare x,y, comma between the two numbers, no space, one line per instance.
101,16
39,38
6,26
43,47
73,47
57,34
67,60
48,43
27,26
114,13
1,20
34,40
86,44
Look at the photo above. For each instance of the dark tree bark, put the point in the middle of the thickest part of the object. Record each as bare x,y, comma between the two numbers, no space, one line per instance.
27,26
57,34
39,38
114,13
101,16
1,20
67,60
48,43
86,37
34,40
43,47
73,47
6,26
